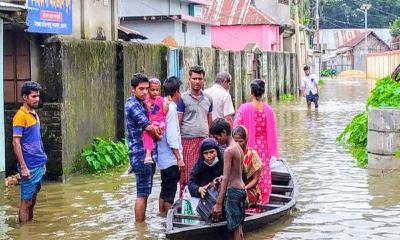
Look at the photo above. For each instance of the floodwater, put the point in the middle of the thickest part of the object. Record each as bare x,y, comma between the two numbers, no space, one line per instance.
337,199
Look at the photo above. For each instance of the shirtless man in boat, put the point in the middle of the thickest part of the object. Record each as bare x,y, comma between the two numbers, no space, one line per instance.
232,186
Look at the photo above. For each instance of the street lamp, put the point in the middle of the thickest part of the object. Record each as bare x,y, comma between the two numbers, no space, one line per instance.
365,7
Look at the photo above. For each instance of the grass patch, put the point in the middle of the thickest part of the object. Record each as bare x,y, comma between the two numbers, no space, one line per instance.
287,97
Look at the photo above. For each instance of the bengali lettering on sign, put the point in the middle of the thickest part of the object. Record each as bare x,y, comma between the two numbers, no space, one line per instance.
50,16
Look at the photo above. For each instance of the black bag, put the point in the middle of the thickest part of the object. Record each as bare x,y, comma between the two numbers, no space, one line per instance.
206,204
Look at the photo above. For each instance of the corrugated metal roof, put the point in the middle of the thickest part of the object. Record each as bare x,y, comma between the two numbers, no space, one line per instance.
334,38
360,37
11,7
236,12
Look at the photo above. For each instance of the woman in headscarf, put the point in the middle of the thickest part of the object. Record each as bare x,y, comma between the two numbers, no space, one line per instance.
209,166
252,166
259,120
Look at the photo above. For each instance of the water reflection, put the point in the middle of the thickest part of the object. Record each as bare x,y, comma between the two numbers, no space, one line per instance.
337,199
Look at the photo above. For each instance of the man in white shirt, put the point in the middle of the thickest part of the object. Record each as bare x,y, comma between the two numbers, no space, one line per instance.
309,87
222,100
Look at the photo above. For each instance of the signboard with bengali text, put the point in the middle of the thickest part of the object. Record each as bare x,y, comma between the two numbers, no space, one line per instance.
50,16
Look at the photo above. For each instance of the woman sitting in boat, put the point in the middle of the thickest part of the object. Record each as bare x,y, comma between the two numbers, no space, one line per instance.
209,166
252,166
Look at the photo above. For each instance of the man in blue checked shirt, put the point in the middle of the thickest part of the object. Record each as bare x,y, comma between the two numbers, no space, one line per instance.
137,121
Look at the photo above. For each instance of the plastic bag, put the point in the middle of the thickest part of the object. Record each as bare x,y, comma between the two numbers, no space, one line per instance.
188,204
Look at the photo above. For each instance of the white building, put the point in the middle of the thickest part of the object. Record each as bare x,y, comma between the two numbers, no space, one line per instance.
159,19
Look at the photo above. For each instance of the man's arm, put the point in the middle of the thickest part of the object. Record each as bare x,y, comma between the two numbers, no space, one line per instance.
209,119
229,110
229,119
180,107
180,117
20,158
172,135
217,210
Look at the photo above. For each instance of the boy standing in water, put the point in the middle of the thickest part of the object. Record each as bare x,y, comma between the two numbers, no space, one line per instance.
309,87
232,186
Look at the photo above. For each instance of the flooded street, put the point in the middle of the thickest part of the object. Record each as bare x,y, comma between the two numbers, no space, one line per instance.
337,199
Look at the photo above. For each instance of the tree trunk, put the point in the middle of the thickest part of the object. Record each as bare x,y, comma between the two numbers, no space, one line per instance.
396,74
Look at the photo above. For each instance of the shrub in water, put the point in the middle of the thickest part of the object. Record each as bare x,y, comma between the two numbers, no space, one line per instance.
105,154
354,137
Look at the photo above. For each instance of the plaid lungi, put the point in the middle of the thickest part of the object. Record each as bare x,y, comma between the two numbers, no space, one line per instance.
190,152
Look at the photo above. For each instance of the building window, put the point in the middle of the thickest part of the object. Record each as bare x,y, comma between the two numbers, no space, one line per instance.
203,29
17,66
191,9
184,27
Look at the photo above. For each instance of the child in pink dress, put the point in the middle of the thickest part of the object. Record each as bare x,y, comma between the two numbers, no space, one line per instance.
157,111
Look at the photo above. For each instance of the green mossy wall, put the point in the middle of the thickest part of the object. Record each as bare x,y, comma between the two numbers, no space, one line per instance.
89,95
143,58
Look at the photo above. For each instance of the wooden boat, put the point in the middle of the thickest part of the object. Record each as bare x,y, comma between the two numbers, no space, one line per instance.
282,200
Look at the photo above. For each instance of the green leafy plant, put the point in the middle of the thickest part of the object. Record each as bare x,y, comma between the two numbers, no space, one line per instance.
385,94
326,73
395,28
321,82
354,137
286,97
397,154
105,154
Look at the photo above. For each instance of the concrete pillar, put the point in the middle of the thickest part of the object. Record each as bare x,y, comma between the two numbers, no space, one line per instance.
383,138
2,139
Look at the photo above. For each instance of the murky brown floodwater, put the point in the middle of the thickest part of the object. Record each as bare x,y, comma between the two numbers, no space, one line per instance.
337,199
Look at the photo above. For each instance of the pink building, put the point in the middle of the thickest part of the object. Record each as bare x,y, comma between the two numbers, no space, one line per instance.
241,23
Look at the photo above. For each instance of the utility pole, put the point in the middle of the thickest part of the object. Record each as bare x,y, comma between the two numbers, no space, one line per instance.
365,7
298,43
318,38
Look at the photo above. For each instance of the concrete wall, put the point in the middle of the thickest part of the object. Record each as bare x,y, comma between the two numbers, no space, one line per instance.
383,138
152,8
235,38
145,58
2,133
80,79
382,64
88,16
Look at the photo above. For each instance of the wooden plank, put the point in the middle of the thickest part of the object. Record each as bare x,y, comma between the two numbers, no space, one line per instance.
279,198
269,206
180,224
281,189
185,216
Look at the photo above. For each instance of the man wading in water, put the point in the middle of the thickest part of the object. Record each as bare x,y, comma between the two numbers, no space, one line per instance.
310,88
28,149
232,186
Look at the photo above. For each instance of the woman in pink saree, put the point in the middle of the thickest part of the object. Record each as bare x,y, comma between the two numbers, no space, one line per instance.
259,119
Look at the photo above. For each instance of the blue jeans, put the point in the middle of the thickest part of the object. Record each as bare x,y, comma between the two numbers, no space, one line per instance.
144,179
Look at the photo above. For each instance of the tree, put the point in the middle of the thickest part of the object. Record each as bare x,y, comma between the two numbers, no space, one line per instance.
395,28
344,14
